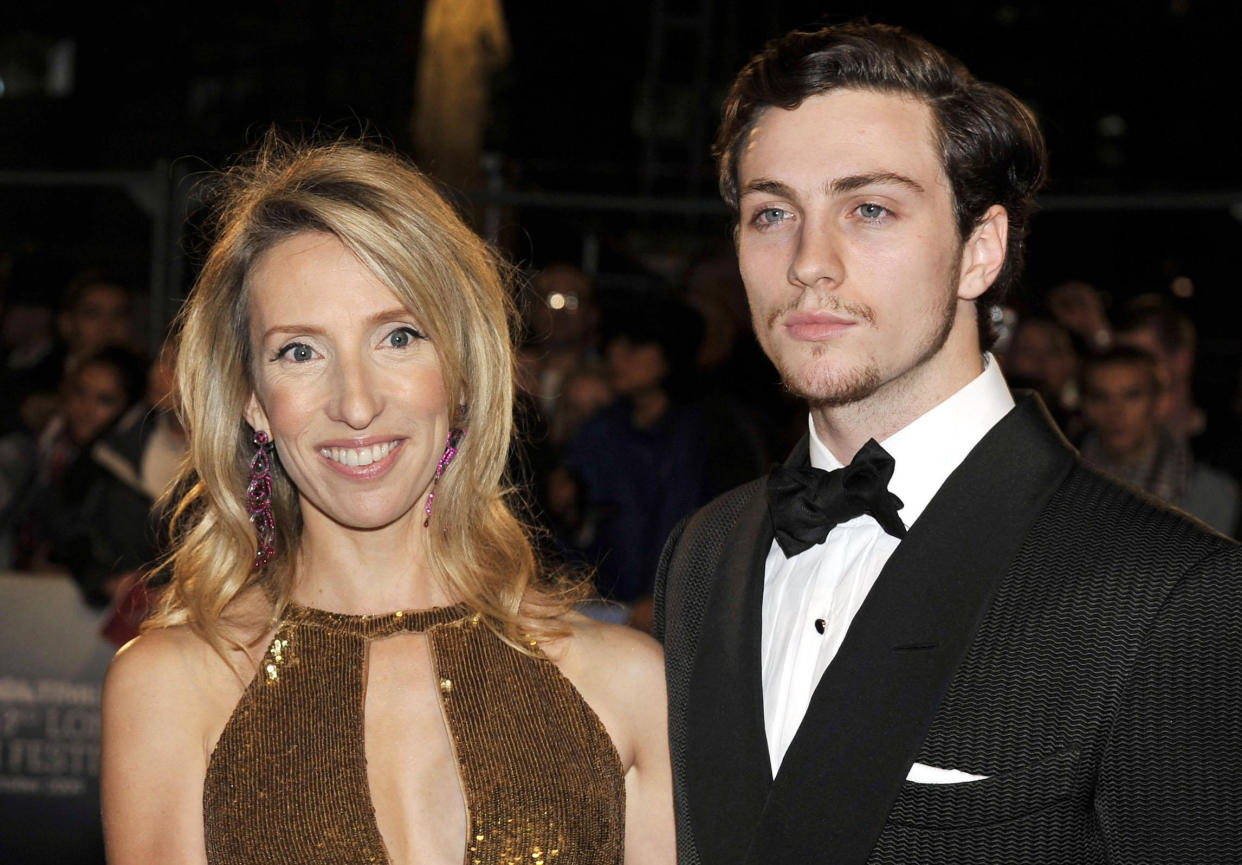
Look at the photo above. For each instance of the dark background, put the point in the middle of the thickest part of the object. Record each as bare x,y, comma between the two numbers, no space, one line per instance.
1137,100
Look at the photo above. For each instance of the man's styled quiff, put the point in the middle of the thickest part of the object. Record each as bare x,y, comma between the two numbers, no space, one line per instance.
991,148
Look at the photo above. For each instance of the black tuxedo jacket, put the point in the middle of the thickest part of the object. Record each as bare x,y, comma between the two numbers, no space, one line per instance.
1070,639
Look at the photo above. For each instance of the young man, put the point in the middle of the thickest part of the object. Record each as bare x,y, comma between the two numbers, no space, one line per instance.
1128,439
983,651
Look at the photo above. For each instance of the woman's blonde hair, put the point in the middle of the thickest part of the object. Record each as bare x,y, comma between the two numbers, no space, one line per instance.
392,218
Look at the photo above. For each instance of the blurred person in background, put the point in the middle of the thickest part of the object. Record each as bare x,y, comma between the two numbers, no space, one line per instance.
585,391
735,378
1041,357
560,331
1079,308
96,311
655,454
557,372
1121,407
149,440
117,483
1155,323
30,358
639,464
97,390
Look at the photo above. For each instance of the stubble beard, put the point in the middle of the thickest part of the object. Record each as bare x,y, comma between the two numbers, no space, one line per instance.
830,385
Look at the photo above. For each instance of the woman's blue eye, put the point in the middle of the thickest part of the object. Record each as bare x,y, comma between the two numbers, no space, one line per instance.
403,336
299,352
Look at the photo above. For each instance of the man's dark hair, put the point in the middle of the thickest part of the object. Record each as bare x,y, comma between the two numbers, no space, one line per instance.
1122,355
131,368
990,145
665,322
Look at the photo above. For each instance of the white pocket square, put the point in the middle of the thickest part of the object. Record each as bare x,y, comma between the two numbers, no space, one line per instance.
923,774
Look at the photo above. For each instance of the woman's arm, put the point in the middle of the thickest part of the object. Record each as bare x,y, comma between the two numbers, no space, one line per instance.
620,673
156,713
649,833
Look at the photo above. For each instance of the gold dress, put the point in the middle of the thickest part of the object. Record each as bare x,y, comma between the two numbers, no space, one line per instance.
287,782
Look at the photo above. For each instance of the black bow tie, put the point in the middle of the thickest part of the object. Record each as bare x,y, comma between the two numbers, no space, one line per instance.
806,503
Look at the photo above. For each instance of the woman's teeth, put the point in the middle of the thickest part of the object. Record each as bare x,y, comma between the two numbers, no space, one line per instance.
358,456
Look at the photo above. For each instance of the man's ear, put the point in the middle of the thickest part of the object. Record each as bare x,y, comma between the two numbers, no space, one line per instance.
256,416
983,254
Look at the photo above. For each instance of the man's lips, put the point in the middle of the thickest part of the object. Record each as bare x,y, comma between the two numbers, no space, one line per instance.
817,326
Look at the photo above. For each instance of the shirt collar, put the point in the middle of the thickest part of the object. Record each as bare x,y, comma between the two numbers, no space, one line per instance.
928,449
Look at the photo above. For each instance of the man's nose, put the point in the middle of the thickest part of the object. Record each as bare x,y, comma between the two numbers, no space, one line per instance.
817,257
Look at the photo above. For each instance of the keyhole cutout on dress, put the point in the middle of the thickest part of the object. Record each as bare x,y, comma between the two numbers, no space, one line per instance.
412,769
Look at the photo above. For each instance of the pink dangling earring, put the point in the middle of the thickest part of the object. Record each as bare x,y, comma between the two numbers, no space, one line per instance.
450,451
259,499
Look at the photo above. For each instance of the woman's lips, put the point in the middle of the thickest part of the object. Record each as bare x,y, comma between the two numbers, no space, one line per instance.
365,459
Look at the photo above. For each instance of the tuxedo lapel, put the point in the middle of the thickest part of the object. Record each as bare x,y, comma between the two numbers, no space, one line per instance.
871,710
728,770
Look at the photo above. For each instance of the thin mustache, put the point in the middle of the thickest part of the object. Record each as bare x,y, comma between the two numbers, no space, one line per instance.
830,303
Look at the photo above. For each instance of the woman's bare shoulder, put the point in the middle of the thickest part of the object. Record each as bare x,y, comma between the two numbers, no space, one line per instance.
619,671
622,654
172,670
178,670
163,653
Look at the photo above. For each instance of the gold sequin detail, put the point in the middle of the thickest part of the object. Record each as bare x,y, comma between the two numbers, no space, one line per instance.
274,658
287,781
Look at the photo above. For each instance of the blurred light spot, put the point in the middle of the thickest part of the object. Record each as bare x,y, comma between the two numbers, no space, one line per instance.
1112,126
1182,286
556,300
1007,15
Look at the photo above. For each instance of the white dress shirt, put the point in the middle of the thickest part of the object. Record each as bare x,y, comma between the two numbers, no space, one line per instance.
829,581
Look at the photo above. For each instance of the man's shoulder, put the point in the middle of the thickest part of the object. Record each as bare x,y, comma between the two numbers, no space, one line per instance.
693,553
717,518
1129,521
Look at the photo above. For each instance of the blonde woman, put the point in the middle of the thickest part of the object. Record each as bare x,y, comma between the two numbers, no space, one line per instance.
357,659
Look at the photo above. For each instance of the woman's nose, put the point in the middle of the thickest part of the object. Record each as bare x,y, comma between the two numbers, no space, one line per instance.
357,400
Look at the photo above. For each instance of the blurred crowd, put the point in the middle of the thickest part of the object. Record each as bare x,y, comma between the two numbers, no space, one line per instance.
87,438
637,405
1122,389
643,406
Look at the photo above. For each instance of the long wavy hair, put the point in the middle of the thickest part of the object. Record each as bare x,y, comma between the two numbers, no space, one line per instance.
391,217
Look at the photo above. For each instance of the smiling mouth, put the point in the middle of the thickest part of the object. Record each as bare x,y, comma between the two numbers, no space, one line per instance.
354,457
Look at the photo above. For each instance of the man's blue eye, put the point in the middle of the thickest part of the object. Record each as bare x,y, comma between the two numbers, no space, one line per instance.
871,211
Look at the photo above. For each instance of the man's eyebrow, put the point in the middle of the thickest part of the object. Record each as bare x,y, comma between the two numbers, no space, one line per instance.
839,186
768,187
878,178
